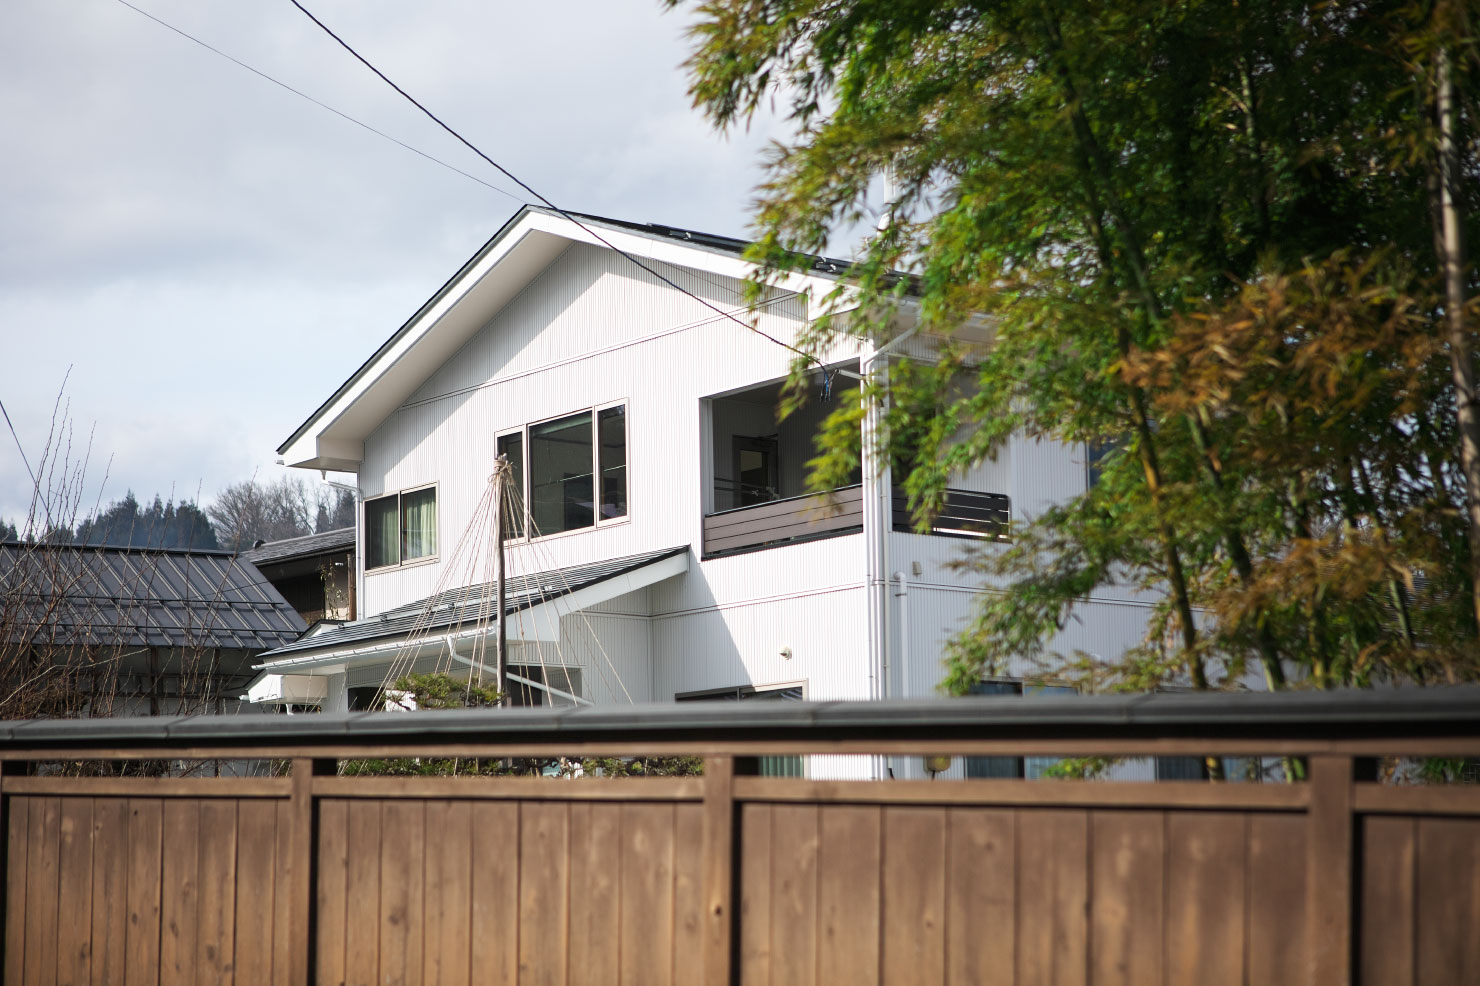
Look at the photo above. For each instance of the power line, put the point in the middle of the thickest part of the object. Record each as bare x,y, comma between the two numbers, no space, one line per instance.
316,102
551,205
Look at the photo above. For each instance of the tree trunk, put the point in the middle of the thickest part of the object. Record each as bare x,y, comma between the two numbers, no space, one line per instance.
1461,358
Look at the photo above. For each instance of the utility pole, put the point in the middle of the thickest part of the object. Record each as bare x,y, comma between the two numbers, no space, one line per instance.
500,483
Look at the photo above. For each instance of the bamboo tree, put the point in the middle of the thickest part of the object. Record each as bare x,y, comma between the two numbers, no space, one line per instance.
1192,225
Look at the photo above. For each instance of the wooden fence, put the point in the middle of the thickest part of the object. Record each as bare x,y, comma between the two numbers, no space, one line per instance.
735,878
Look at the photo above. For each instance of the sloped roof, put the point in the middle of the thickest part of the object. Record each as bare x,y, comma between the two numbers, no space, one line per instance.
332,437
67,596
307,546
471,605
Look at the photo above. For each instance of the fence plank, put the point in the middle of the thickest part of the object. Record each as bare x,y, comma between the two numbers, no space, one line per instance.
362,896
981,900
179,892
755,894
402,867
1126,904
688,895
544,865
333,872
913,865
216,924
1329,872
74,891
647,894
255,892
18,817
145,875
41,890
1448,901
595,857
1053,896
720,896
1389,863
449,905
283,963
1205,899
1276,946
298,866
848,896
495,873
794,894
109,925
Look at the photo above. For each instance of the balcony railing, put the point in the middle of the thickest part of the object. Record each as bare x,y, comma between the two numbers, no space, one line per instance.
793,519
966,513
785,521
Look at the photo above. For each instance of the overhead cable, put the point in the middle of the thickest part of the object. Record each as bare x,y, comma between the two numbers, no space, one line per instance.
551,205
316,102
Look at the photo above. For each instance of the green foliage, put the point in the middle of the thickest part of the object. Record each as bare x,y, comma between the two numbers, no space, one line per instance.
1198,231
643,766
444,691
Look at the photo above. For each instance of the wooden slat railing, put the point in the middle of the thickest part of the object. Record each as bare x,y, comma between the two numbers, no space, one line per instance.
965,513
786,521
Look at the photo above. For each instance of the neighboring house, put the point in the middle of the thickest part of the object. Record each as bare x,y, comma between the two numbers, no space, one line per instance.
315,573
667,550
132,631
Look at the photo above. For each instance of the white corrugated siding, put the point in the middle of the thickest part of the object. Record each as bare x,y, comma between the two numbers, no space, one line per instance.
1045,473
592,329
545,354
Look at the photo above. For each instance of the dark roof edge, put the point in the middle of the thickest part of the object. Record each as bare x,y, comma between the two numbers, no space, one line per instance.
827,266
406,325
1317,716
210,552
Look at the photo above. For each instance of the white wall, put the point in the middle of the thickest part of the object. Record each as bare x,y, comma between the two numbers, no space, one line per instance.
593,329
590,330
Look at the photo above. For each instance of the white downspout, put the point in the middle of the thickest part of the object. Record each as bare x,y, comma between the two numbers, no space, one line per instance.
902,600
878,490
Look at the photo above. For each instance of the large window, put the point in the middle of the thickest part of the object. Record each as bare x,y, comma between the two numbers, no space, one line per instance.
571,472
401,528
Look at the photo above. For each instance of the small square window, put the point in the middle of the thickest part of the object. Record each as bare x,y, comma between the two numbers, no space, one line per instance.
401,528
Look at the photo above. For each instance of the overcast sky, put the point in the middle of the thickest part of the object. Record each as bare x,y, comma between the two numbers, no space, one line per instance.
213,255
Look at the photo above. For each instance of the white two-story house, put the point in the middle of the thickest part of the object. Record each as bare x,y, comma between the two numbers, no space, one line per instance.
661,547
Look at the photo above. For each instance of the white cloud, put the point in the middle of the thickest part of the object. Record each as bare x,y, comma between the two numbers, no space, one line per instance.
213,255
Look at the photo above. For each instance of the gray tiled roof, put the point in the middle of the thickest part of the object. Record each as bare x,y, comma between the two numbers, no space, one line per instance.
472,604
135,597
307,546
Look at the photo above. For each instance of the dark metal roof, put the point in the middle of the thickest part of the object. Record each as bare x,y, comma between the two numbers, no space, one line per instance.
307,546
1401,713
714,241
467,606
68,596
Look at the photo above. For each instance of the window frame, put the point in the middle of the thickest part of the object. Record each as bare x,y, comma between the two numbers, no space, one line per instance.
593,412
402,561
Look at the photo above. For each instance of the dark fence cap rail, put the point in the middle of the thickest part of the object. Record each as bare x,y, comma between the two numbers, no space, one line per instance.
1354,714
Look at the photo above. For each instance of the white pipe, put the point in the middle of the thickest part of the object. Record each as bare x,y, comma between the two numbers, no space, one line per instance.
902,594
878,523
